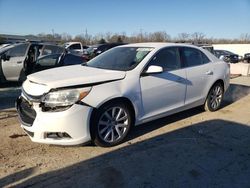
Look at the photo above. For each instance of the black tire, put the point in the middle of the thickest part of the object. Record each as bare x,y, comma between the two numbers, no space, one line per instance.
103,129
214,97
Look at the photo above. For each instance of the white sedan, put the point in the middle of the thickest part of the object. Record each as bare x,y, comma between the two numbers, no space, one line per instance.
125,86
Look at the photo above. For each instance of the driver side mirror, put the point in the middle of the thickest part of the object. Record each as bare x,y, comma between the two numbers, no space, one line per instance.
153,69
5,57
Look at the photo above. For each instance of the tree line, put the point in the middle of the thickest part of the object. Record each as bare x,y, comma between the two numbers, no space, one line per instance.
158,36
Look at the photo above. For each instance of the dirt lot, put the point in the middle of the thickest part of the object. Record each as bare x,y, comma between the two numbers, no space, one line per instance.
189,149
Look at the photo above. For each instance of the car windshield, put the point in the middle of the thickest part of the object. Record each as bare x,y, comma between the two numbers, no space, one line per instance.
121,58
228,52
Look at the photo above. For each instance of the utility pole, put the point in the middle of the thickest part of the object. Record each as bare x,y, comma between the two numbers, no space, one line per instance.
86,36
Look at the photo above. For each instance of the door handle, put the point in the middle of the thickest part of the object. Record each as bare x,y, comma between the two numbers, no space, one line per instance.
209,72
19,62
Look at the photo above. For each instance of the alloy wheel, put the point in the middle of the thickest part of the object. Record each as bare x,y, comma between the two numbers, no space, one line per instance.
113,124
216,97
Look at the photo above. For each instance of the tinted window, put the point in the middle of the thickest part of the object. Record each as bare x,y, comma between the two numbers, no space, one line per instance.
49,49
205,58
167,58
18,51
191,57
75,47
72,60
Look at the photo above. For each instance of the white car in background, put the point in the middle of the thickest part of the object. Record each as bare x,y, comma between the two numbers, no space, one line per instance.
125,86
75,47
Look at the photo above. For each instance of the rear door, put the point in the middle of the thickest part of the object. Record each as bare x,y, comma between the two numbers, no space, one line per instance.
199,72
12,68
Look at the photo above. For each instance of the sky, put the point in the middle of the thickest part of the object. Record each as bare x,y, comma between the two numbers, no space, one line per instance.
214,18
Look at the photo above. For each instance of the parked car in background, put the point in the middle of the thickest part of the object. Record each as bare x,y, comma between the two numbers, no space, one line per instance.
75,47
227,56
97,49
4,45
207,47
125,86
16,61
247,57
56,60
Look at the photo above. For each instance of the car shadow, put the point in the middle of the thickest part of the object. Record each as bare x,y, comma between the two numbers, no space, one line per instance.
234,93
212,153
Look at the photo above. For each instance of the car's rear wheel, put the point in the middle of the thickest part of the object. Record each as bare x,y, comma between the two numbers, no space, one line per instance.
111,124
214,98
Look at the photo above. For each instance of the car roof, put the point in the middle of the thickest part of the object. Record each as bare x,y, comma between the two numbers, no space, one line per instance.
159,45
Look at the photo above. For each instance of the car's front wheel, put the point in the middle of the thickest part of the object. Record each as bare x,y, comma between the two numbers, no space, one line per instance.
111,124
214,98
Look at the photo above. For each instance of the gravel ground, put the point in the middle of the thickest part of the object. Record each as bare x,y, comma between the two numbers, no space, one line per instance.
188,149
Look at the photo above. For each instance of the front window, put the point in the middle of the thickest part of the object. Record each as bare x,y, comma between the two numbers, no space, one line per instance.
18,51
167,58
121,58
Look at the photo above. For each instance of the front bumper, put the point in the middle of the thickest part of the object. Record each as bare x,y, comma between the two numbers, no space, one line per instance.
73,122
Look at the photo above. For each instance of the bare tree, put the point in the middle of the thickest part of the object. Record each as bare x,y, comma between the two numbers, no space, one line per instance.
245,38
108,36
183,37
198,37
160,36
66,37
80,38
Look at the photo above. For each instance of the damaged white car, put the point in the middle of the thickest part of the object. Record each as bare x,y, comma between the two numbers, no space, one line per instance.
125,86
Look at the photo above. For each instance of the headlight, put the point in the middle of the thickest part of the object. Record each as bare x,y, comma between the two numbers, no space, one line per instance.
63,98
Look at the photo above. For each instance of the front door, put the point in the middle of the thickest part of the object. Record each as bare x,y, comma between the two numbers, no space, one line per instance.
164,91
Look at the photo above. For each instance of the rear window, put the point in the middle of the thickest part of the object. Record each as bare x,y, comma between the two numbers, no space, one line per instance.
192,57
50,49
74,47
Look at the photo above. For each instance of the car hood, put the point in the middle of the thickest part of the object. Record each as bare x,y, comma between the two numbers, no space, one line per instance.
73,76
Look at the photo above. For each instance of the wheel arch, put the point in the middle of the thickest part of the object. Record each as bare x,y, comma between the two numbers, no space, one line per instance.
124,100
219,81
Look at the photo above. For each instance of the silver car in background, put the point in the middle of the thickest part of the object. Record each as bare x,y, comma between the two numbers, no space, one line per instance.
17,60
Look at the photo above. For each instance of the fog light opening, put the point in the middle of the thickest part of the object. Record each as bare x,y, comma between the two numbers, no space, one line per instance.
57,135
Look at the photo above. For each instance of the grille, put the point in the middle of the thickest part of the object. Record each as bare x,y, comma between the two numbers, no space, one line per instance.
26,113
